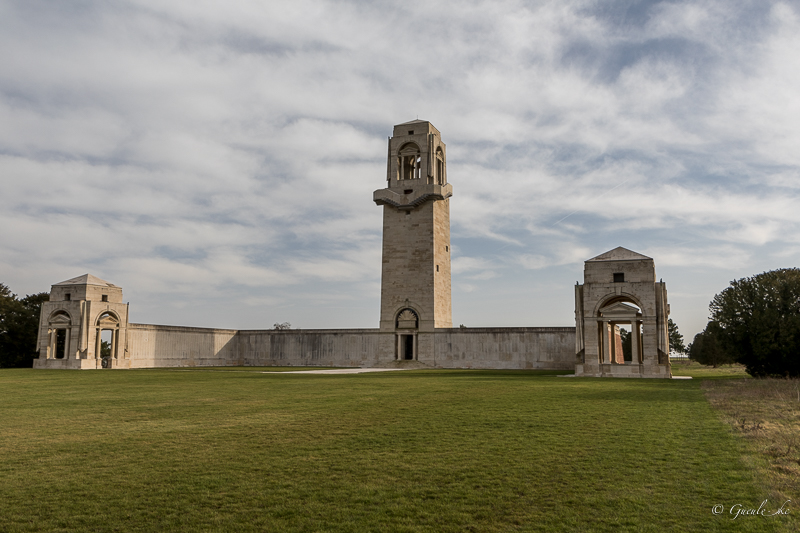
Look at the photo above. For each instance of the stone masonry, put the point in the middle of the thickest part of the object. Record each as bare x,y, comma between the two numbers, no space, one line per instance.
620,287
415,276
416,315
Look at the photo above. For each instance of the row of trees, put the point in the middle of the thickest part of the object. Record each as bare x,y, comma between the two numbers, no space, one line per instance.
755,322
19,324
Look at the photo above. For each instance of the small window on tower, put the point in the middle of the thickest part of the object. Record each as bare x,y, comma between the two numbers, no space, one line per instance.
411,132
104,297
437,268
619,277
446,248
67,296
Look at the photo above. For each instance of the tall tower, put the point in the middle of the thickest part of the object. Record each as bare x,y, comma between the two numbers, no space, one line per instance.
415,279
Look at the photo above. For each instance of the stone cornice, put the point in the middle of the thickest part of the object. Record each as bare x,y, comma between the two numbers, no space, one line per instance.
420,195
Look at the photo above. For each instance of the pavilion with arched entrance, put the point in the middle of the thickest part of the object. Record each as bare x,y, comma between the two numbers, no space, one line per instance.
620,288
74,321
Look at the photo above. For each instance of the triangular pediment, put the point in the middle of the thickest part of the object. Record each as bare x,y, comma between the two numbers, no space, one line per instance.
620,254
409,148
86,279
417,121
619,309
59,319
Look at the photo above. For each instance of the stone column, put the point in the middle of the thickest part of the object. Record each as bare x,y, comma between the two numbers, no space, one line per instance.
398,354
635,343
114,343
66,343
606,343
98,344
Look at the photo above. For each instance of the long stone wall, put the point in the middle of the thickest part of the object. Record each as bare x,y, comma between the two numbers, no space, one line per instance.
167,346
151,346
512,348
314,347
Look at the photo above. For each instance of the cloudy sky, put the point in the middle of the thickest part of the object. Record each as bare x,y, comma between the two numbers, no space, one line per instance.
217,159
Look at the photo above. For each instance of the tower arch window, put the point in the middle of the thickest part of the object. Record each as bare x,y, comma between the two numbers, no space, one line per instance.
409,162
440,176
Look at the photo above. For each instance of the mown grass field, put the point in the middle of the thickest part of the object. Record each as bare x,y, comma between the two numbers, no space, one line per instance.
167,450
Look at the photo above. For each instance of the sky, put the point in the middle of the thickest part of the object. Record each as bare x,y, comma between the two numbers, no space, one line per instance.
217,159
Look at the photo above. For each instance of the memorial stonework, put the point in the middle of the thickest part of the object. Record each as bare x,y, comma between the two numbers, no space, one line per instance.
72,322
415,325
620,287
415,277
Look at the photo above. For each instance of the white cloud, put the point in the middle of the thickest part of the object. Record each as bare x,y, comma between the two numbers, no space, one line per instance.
184,144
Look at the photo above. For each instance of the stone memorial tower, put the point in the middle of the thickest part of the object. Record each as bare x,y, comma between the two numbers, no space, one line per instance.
415,278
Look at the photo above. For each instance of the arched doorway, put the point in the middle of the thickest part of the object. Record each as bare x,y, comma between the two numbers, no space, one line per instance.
59,329
406,324
615,312
107,339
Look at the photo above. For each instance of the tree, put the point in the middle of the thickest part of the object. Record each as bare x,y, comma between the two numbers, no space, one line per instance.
759,322
282,325
706,349
19,327
675,338
625,336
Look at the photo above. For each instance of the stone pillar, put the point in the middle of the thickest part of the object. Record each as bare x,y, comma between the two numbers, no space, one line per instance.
51,345
66,343
98,345
635,343
649,342
114,343
606,355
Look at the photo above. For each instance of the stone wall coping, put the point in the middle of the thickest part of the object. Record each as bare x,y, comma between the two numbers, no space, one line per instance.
181,328
554,329
353,331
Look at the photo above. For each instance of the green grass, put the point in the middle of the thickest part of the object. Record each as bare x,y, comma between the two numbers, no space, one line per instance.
698,371
163,450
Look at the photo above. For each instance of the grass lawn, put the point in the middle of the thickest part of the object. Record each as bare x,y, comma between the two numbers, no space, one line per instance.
167,450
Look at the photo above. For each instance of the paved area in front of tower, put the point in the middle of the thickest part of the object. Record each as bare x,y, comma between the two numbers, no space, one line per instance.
338,371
